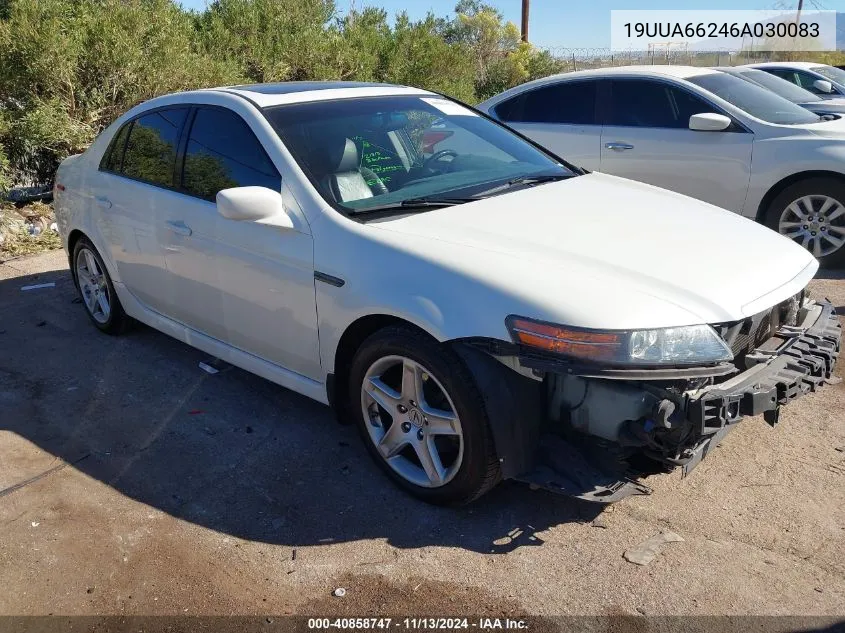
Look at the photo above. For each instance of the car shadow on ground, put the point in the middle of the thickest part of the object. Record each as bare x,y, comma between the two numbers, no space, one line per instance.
231,452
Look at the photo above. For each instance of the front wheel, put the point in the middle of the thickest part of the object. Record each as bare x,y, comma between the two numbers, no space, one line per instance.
812,213
422,417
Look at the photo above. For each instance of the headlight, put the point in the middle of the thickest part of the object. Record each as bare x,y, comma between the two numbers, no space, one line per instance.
687,345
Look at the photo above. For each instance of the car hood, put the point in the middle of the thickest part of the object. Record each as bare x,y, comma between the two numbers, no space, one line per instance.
602,251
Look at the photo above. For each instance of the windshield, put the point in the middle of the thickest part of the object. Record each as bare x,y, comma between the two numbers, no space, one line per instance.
831,72
391,150
755,100
782,87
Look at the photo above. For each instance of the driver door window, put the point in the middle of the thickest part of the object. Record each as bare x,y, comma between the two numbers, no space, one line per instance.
647,138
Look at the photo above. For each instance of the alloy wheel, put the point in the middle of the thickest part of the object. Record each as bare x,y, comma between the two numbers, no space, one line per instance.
93,285
816,222
412,421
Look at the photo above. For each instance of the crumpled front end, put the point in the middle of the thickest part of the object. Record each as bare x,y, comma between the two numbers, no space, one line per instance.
605,430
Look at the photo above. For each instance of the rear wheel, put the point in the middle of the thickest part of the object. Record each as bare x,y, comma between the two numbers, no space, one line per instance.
96,289
812,213
422,417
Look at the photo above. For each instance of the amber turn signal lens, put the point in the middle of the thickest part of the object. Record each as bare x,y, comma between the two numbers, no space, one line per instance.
566,341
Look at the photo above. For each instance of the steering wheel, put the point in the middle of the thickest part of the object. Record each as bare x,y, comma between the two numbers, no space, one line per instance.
437,156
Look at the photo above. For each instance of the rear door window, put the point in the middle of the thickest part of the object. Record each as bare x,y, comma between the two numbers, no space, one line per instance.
222,152
150,153
570,103
113,158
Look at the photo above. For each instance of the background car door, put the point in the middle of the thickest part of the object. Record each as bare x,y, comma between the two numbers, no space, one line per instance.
646,137
559,116
248,284
135,192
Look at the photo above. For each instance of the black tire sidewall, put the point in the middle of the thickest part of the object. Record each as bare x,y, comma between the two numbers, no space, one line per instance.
449,370
811,186
117,318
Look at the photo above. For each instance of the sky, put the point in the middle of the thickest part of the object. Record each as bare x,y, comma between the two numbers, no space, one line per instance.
567,23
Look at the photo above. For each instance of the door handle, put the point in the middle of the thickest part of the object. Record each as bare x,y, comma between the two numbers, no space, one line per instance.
180,228
618,146
103,203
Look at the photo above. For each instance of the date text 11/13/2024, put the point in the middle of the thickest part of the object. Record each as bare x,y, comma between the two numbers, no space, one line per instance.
418,623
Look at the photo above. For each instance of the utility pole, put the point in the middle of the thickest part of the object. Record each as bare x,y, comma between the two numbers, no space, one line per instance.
525,8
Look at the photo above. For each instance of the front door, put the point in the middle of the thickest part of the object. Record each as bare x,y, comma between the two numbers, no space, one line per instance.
646,137
250,285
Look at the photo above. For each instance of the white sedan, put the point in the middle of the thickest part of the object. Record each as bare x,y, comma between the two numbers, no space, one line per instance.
481,310
699,132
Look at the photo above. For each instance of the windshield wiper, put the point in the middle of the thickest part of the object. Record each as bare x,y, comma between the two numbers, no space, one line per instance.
522,180
413,203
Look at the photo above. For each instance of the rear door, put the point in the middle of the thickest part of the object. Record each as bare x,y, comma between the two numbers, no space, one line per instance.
134,191
560,116
646,137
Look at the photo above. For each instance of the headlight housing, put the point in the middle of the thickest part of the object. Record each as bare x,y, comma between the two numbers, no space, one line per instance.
685,345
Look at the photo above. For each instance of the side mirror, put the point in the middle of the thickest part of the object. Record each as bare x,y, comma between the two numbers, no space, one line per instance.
823,86
253,204
709,122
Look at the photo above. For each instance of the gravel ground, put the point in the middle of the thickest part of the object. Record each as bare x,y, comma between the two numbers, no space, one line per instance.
132,482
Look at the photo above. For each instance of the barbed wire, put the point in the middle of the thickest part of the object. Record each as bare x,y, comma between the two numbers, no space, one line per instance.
584,58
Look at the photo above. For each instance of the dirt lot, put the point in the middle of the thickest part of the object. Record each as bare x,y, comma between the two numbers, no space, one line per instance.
132,482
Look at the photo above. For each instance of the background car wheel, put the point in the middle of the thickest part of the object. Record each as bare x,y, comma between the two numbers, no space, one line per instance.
812,213
96,289
422,417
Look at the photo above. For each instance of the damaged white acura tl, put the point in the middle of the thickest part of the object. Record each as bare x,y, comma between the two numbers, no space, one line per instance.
478,307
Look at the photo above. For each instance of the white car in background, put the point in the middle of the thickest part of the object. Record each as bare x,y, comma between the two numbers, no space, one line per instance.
700,132
820,79
476,306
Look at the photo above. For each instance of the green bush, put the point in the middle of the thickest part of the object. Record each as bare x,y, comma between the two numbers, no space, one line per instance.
69,67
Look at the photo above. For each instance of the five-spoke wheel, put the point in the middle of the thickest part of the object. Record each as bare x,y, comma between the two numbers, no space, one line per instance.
96,288
422,416
412,421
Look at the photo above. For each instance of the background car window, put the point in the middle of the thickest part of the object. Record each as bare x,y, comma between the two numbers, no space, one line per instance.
113,157
572,102
223,152
637,103
151,150
806,80
831,72
753,99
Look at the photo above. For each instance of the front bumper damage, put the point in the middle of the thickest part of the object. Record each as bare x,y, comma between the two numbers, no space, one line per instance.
794,362
602,434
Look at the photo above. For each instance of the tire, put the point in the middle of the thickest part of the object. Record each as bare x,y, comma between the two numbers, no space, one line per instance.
422,429
92,280
819,205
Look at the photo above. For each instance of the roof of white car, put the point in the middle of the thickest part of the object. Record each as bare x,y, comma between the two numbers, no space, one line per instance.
679,72
271,94
785,65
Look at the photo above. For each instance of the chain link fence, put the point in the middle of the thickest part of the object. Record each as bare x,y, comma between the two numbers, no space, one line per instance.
586,58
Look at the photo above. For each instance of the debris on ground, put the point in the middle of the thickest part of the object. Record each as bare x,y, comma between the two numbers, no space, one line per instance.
646,551
51,284
27,230
600,522
214,366
339,592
